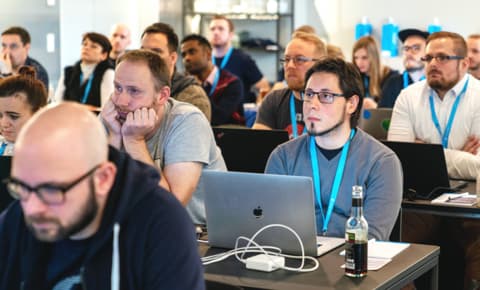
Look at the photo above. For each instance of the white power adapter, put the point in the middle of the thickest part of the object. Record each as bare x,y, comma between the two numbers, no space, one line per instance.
265,263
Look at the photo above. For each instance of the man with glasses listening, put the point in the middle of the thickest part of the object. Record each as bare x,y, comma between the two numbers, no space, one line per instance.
338,155
444,109
282,109
413,48
88,216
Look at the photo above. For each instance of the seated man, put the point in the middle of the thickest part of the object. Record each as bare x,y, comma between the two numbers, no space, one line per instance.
88,218
15,49
444,109
162,39
282,109
338,155
153,128
224,89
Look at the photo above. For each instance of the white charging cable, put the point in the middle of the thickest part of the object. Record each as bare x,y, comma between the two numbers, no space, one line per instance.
269,251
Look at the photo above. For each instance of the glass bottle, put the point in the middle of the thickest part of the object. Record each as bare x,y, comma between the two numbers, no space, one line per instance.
356,237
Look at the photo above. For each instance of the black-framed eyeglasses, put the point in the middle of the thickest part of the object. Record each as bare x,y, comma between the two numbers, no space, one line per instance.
297,60
413,48
49,193
323,97
441,58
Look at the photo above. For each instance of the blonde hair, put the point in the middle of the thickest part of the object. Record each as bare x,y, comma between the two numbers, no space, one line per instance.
376,72
320,47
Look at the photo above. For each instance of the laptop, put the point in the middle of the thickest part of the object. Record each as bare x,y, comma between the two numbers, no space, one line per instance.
425,173
5,165
240,203
376,122
247,149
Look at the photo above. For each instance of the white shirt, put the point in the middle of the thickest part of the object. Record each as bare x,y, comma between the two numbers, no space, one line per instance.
106,87
412,119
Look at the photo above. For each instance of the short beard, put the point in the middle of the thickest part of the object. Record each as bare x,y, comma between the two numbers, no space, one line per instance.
87,215
311,130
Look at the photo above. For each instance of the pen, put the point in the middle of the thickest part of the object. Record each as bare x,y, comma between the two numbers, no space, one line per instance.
450,198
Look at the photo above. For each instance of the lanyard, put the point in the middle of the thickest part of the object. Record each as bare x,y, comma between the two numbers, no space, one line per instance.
87,88
215,83
293,118
405,79
226,58
446,134
366,84
336,182
2,148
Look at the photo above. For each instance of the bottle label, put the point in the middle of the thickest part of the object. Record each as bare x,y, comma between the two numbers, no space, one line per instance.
356,256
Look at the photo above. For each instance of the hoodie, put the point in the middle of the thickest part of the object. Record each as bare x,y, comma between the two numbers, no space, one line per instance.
146,240
187,89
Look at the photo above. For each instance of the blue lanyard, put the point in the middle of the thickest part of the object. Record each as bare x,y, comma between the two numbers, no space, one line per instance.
336,182
226,58
2,148
405,79
215,83
293,118
446,134
366,84
87,88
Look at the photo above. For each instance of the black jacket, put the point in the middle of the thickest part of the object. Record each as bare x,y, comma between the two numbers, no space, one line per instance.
157,247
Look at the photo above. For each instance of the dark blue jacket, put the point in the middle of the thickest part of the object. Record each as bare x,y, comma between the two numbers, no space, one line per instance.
157,246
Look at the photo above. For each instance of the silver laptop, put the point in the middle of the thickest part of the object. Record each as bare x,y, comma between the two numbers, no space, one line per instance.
239,204
376,122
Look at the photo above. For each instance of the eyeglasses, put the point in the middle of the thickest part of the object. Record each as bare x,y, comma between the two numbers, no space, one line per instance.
323,97
414,48
297,60
441,58
50,194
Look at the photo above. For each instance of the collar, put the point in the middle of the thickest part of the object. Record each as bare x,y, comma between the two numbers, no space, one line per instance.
416,75
211,76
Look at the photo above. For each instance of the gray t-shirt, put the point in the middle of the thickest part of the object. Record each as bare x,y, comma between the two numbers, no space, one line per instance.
185,135
369,164
274,112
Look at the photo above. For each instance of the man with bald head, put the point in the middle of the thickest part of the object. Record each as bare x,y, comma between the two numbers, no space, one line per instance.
120,38
90,217
282,109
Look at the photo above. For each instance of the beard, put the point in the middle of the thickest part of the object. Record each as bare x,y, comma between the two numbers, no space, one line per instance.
87,214
313,132
442,84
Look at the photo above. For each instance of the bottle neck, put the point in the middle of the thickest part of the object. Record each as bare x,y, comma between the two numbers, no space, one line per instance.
357,207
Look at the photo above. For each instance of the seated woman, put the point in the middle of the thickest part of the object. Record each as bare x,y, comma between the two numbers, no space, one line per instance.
21,95
366,57
90,80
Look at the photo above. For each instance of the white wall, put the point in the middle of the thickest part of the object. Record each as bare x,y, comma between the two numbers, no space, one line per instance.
78,17
340,16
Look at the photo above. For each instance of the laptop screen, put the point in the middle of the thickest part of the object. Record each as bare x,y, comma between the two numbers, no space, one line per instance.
5,165
247,149
424,168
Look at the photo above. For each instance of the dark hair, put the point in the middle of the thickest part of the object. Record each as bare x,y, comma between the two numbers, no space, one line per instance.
460,46
101,39
349,80
20,31
201,40
158,68
167,30
231,27
25,82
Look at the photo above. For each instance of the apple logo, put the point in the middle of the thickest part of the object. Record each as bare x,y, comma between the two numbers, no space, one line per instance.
258,212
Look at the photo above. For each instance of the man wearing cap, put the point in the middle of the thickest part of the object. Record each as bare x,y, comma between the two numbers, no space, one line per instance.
414,42
473,45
